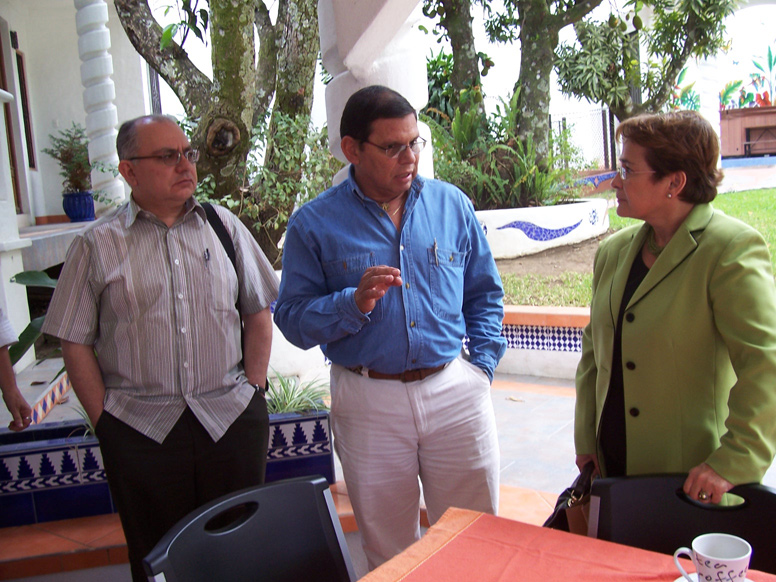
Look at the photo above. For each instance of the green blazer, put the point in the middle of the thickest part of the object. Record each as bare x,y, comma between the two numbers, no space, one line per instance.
698,350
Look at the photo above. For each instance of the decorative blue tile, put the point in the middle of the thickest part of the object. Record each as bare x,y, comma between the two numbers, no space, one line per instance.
55,475
17,509
71,502
294,439
551,339
535,232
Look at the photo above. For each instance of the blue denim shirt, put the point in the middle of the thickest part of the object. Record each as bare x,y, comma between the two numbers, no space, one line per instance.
451,286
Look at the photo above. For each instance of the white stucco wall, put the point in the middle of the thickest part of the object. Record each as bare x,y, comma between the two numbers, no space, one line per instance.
47,36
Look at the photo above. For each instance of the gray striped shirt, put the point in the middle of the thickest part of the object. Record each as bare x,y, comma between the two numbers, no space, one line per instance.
158,304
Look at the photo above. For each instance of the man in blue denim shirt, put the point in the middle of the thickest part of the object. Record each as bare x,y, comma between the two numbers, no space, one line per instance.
388,272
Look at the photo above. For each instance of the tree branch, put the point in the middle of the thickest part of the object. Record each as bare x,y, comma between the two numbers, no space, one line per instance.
189,84
575,12
266,66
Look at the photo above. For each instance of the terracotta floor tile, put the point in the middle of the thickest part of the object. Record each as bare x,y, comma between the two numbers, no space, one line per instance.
524,505
535,388
112,539
348,523
118,555
84,530
31,567
342,503
27,541
550,498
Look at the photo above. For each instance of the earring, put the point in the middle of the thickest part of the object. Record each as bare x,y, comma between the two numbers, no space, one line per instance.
670,195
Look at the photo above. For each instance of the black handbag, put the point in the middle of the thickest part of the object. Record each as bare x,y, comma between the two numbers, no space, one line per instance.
573,506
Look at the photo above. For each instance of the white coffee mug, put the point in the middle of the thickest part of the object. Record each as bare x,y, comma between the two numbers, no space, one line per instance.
717,557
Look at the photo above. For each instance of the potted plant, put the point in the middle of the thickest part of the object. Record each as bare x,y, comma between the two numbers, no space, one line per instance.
299,431
69,148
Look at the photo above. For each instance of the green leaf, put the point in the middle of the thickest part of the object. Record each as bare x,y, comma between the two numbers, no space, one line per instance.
167,34
34,279
26,339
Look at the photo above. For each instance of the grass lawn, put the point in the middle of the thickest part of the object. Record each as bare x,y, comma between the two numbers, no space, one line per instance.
755,207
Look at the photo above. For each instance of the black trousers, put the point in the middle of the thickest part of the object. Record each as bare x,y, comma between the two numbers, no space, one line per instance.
155,485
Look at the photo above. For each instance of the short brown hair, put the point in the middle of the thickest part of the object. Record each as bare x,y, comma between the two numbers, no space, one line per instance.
679,141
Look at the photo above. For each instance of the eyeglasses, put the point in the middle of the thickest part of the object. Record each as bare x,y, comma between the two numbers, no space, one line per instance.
625,172
172,157
394,151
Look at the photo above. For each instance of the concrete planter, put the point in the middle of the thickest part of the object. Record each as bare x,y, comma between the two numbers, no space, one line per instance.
300,444
514,232
51,471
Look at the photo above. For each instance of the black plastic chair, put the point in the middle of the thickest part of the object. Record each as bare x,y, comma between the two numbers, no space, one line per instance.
282,531
652,512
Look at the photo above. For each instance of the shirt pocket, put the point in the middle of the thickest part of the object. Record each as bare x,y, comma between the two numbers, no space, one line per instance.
447,268
221,283
345,272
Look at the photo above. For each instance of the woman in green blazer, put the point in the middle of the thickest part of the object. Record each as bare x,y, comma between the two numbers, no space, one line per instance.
678,367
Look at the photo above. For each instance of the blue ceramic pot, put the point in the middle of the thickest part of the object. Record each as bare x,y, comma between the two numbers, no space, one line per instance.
79,206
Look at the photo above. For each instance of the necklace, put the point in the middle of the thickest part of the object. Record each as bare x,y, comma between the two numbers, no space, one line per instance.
386,205
652,245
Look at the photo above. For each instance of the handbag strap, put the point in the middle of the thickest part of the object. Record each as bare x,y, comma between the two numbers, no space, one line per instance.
583,483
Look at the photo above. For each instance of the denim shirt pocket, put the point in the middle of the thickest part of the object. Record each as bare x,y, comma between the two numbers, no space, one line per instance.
446,268
345,272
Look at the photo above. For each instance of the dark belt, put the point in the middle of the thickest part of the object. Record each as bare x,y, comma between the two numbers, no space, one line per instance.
406,376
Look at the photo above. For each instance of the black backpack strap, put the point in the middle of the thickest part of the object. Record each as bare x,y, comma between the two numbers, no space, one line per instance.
223,235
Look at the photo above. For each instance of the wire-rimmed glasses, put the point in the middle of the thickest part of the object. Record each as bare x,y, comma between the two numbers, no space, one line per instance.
172,157
394,151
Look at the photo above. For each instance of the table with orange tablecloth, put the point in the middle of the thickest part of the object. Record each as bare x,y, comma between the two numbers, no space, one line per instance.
469,546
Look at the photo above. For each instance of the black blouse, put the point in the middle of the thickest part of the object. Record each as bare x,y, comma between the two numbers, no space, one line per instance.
612,431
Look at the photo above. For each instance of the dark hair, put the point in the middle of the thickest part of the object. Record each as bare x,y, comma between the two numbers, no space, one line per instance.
126,140
369,104
679,141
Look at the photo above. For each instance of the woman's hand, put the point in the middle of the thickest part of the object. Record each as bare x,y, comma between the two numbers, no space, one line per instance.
583,460
706,485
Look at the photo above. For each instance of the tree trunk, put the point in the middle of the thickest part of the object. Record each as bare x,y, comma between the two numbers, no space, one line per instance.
266,67
538,40
227,117
298,47
539,29
457,21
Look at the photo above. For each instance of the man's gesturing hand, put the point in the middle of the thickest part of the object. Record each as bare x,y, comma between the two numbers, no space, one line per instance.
375,283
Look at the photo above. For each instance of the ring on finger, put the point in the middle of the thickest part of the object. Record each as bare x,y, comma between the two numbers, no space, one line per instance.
703,496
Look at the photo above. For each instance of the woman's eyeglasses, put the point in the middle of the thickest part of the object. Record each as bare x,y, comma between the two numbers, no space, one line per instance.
625,172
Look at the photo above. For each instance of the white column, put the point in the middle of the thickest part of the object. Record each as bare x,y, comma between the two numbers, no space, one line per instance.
99,93
373,43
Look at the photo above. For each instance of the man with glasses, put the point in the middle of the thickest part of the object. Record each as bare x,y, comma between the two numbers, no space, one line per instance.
388,272
151,337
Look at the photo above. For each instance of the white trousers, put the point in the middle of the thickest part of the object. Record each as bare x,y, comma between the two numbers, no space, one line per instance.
388,434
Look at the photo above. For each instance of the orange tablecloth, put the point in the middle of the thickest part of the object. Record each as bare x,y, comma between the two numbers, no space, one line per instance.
469,546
